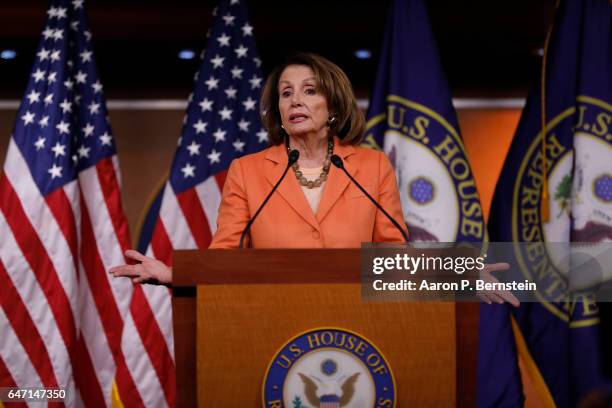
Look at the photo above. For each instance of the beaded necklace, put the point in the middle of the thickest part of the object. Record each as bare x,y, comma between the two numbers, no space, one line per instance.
322,177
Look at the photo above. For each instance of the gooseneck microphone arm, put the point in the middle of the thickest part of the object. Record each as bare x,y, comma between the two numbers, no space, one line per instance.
337,161
294,155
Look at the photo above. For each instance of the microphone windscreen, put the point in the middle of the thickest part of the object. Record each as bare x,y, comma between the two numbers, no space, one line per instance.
337,161
294,155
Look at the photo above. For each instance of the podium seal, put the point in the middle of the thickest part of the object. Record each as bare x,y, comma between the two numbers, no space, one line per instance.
328,368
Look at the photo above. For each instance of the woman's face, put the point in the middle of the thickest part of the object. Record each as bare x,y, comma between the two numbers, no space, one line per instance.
302,106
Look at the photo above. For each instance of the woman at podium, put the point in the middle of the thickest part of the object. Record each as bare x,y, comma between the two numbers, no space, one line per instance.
312,118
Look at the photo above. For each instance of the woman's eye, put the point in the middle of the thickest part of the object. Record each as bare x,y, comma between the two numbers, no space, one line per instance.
310,91
285,94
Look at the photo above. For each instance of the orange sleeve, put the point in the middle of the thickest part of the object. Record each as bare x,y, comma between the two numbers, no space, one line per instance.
389,199
233,211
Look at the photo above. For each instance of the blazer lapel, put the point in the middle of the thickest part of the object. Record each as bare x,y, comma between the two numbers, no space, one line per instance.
337,181
289,189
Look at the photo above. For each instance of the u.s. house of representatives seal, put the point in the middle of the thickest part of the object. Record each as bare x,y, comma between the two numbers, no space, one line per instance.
437,186
328,367
580,184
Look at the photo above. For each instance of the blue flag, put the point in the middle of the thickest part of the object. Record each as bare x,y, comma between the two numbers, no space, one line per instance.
412,118
560,338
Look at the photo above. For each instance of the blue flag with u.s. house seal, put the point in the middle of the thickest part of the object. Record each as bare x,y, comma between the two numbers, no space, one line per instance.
558,339
412,117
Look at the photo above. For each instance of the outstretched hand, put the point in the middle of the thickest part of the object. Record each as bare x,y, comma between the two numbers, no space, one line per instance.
497,296
147,270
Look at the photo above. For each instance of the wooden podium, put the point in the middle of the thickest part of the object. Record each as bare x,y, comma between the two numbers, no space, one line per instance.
233,309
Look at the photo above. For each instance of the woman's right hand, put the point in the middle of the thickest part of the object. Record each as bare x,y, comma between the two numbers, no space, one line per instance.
147,270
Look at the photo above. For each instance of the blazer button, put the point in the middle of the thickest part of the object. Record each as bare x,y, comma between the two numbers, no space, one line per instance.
316,235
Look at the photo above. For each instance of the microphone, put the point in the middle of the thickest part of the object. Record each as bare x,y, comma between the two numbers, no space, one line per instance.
337,161
294,155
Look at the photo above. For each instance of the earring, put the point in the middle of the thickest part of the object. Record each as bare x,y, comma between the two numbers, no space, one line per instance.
331,120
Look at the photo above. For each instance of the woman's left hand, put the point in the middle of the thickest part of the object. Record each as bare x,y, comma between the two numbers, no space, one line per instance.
497,296
147,270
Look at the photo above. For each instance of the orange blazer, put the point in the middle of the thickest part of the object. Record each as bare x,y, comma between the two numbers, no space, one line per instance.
345,217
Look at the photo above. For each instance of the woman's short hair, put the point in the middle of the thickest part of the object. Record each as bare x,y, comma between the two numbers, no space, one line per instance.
332,83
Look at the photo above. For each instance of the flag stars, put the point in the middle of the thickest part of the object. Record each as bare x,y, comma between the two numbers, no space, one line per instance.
238,145
255,82
81,77
33,96
231,92
262,135
55,55
83,152
59,12
87,35
247,30
68,84
52,77
93,108
85,56
66,106
237,73
40,143
44,122
241,51
59,149
48,33
88,130
217,61
244,125
28,118
206,105
77,4
224,40
74,25
43,54
48,99
58,34
63,127
214,156
249,104
188,170
257,62
212,83
55,171
200,126
38,75
97,86
105,139
194,148
219,135
229,19
226,114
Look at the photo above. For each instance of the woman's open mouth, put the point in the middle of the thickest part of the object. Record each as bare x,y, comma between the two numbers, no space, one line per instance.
297,118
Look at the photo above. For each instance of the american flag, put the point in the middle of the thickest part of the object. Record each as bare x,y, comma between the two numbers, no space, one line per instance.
63,322
222,123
